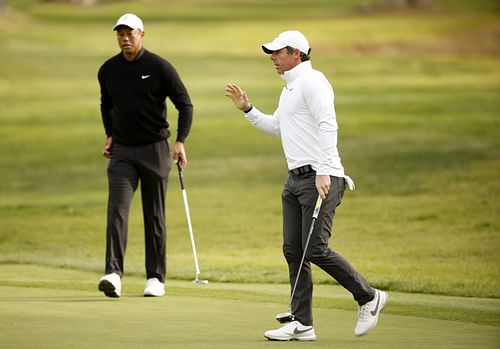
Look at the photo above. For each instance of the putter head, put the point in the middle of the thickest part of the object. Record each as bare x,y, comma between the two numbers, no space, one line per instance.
198,281
283,318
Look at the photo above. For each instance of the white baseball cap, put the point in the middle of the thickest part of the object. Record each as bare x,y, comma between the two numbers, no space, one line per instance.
130,20
292,38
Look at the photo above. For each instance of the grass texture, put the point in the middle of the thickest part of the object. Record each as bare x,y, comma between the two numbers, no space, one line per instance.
53,308
416,100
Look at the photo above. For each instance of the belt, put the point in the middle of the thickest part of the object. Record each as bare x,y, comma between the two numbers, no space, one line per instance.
301,170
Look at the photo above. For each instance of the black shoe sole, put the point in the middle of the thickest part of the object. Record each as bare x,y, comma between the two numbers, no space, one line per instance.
108,289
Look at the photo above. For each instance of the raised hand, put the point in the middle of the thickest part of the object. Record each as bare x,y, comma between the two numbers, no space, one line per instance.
238,96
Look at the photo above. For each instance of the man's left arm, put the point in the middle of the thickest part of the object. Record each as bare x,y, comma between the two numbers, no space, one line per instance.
179,96
320,100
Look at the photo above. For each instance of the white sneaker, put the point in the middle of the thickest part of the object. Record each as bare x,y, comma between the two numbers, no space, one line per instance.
154,288
292,331
111,285
368,313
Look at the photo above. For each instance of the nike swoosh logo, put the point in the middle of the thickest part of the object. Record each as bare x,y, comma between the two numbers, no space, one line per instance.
297,331
374,311
145,76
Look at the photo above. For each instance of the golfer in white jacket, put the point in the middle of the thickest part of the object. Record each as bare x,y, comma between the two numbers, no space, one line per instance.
306,122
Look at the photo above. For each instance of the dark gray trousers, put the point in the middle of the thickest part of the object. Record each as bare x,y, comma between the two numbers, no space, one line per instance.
150,165
299,198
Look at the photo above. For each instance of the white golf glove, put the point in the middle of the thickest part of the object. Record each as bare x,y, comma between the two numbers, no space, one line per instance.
350,182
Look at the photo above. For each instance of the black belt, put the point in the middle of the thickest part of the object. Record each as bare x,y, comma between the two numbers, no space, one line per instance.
301,170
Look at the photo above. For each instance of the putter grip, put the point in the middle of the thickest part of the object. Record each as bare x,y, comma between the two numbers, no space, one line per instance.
317,207
181,177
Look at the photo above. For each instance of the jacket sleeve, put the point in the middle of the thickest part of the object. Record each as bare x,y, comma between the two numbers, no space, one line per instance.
320,100
179,96
266,123
106,104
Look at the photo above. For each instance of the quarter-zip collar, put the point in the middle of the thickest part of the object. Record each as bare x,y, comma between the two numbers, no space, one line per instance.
290,75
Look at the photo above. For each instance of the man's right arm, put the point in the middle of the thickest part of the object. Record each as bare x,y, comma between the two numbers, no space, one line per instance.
106,114
267,123
106,104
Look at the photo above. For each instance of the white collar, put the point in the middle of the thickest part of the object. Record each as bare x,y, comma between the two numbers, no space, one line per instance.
297,71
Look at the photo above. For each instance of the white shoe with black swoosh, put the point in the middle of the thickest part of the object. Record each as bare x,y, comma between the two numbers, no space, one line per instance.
154,288
369,312
111,285
292,331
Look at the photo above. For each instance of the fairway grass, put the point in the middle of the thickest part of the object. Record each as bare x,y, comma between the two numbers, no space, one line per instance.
416,96
54,308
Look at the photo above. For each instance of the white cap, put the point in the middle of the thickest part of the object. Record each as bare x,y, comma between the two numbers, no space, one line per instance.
130,20
292,38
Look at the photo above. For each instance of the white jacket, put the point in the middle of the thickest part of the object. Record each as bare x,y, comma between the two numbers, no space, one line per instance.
306,121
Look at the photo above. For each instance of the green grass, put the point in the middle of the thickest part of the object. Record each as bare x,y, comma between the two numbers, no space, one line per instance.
418,108
418,113
36,299
61,319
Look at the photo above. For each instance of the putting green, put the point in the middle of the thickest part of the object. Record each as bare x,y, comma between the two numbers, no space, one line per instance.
56,314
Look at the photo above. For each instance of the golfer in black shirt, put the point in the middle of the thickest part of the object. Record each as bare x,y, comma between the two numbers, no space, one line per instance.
134,86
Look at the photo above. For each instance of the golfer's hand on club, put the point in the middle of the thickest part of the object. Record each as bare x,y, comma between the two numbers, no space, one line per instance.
238,96
106,152
323,185
179,155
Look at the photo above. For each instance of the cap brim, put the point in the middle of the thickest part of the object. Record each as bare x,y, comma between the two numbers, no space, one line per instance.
121,25
271,47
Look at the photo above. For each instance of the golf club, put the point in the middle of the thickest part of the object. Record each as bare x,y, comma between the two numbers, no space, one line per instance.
197,279
288,316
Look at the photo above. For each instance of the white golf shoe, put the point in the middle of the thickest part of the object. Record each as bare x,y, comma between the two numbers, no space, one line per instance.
292,331
368,313
111,285
154,288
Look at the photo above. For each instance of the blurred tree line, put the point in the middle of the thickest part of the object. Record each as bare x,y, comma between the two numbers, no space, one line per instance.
393,3
4,3
388,4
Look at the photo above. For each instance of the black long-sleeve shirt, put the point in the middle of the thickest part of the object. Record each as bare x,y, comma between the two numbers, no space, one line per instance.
133,98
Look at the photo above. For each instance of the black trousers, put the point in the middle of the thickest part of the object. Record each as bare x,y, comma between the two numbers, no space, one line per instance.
299,198
150,165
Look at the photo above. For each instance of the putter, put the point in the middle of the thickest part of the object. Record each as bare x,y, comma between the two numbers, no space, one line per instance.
197,279
288,316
